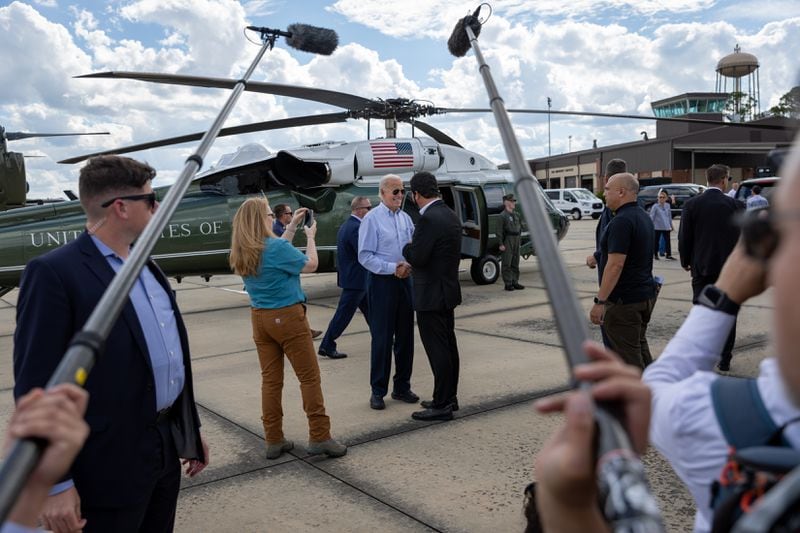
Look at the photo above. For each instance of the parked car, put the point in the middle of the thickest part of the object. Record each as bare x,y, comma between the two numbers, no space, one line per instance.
576,202
677,194
746,188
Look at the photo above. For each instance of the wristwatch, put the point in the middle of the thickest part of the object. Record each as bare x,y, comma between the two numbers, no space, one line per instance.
599,301
715,299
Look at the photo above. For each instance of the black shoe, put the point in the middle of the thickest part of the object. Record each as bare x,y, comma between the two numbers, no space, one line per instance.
427,404
446,413
724,366
332,354
315,333
408,397
671,258
376,402
509,287
656,258
517,286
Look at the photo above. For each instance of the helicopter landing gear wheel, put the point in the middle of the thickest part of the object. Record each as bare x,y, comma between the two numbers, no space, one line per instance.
485,270
576,214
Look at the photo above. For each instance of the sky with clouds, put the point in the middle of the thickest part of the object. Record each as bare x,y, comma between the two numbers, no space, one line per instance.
593,55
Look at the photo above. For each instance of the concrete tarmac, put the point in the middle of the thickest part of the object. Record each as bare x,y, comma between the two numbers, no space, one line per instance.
399,474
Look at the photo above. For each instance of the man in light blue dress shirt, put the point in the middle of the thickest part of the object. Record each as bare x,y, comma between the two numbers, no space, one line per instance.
383,233
141,408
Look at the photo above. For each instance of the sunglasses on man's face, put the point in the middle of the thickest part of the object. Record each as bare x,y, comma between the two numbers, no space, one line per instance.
149,197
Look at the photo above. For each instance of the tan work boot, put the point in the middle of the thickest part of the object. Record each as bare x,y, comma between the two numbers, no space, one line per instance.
275,450
329,447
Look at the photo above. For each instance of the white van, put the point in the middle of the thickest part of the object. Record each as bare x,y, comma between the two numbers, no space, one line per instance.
576,202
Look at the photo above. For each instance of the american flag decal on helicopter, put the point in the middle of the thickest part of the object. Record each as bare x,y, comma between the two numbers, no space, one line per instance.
392,154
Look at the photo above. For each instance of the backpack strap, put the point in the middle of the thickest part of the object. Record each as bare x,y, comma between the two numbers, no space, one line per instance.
742,415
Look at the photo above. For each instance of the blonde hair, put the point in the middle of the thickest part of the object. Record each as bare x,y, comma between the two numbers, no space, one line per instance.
250,229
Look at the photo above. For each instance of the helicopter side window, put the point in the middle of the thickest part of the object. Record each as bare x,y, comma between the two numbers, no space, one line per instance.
447,197
468,207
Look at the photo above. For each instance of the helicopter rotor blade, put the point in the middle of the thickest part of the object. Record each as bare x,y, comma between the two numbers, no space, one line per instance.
434,133
343,100
617,115
17,135
308,120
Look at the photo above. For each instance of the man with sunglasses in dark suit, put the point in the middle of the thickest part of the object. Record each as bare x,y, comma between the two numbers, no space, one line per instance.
350,276
434,255
383,233
706,237
141,409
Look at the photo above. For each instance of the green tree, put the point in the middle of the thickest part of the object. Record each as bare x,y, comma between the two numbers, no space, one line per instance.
788,105
740,106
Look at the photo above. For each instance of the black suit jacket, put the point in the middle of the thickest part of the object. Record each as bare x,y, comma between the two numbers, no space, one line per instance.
350,273
120,460
434,254
707,233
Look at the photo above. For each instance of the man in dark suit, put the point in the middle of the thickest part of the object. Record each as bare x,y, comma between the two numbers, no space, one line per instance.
141,409
434,254
350,276
706,237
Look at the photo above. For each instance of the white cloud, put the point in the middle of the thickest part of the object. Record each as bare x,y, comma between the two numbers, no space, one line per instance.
211,29
760,11
578,61
436,18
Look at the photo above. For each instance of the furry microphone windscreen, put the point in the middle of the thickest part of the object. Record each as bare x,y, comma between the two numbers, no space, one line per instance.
458,43
312,39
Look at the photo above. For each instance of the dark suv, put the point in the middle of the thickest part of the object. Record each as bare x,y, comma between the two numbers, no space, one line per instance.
677,194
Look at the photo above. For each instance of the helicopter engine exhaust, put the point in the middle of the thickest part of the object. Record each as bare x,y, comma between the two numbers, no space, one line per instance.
299,173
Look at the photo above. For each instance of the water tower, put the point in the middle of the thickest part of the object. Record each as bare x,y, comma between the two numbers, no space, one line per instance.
735,67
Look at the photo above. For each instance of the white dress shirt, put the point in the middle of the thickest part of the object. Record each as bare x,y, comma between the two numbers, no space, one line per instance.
683,426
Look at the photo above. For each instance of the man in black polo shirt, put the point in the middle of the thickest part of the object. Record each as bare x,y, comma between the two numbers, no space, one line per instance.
627,291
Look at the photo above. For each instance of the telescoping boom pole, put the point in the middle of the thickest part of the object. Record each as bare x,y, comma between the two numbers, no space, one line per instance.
87,345
626,501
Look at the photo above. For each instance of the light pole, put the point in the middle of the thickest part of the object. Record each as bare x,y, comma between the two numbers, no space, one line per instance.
549,102
570,143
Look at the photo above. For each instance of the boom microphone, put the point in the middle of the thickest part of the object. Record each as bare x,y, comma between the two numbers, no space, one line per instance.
312,39
625,498
304,37
458,43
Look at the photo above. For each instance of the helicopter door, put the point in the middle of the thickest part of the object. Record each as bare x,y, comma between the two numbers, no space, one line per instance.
468,210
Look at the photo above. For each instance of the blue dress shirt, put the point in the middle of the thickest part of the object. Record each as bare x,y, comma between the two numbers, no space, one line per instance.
381,238
160,328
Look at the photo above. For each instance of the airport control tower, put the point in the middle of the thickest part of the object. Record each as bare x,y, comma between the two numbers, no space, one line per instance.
737,67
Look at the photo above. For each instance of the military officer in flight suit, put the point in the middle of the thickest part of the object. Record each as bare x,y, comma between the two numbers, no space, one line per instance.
510,230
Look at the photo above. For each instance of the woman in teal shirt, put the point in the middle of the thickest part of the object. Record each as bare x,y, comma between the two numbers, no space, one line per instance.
271,267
